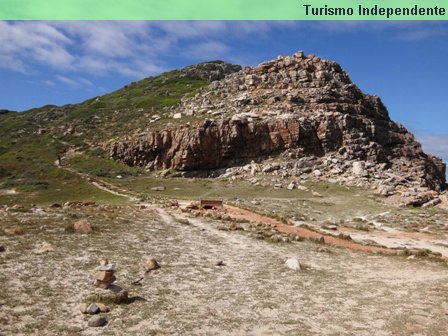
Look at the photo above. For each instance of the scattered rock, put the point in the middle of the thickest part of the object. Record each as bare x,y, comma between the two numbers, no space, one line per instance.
82,226
291,186
83,307
2,248
93,309
97,321
184,221
358,169
323,250
44,248
103,308
220,263
158,188
432,203
293,263
14,230
151,264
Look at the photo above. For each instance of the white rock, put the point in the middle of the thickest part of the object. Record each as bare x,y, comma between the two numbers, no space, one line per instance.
358,168
293,263
177,115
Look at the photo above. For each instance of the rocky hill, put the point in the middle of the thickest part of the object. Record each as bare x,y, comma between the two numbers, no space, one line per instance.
301,109
280,123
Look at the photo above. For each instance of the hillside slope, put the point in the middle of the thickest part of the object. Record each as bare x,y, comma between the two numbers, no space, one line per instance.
31,141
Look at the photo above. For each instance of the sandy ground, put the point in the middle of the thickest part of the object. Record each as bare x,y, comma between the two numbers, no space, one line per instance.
342,293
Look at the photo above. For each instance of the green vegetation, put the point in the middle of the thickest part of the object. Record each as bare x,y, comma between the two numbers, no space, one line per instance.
30,142
102,167
154,92
27,166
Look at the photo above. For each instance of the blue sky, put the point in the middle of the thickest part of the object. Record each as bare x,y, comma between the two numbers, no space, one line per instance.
403,62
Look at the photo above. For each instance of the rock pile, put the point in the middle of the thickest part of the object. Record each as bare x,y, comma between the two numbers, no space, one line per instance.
104,275
106,292
298,105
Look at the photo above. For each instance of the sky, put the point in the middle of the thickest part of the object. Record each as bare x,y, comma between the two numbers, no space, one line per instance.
62,62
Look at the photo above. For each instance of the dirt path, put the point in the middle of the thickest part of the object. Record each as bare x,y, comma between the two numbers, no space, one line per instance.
390,240
239,213
104,188
398,239
102,185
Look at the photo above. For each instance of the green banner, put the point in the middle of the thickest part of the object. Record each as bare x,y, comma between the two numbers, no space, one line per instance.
223,9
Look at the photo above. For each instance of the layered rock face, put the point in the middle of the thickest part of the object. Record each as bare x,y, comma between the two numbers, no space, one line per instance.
305,107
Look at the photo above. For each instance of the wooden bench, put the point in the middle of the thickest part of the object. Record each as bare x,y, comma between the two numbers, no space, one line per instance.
210,204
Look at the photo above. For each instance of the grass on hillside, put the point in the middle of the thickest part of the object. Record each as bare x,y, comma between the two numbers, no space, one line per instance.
99,166
27,158
27,166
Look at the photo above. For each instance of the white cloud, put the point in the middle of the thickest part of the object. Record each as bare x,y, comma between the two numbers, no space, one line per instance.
73,82
49,82
66,80
85,82
140,48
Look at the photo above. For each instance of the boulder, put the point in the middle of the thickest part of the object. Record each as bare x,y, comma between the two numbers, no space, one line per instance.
93,309
97,321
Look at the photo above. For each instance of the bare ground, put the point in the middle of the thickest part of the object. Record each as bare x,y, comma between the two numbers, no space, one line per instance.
342,293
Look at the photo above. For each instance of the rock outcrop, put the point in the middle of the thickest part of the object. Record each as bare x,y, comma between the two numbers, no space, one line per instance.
210,71
305,107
